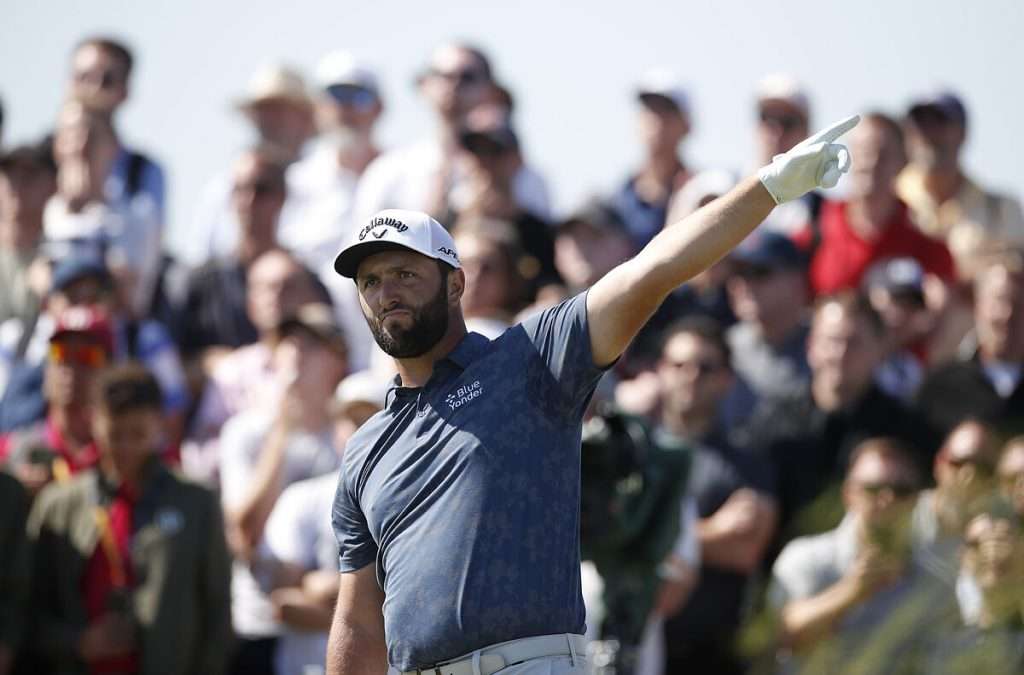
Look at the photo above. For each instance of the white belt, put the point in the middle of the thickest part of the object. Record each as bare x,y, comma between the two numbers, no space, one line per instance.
496,657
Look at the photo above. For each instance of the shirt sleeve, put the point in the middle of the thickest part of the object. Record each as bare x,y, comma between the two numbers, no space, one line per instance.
356,547
798,573
561,336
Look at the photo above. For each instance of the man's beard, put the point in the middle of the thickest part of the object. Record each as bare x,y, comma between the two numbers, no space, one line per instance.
429,324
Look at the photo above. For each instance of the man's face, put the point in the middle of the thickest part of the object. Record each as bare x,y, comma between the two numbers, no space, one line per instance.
933,140
693,376
662,126
24,189
584,253
347,108
1011,475
455,83
879,160
276,288
98,79
405,301
842,351
759,292
780,126
488,278
282,124
994,553
880,492
257,197
999,314
348,420
965,466
127,439
302,351
73,362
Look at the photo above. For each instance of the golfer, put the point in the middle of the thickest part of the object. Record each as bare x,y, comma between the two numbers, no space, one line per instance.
457,512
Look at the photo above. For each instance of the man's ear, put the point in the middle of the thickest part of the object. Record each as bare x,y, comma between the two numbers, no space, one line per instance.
456,286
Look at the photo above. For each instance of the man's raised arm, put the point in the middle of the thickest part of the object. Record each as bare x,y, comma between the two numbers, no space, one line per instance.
623,300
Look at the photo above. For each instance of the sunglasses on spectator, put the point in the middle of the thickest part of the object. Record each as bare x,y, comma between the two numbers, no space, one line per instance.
898,489
89,356
347,94
461,78
261,188
787,123
107,79
754,272
926,116
980,466
702,368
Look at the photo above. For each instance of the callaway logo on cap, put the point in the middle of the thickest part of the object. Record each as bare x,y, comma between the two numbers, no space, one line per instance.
397,229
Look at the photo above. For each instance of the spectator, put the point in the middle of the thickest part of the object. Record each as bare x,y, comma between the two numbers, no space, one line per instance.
428,175
321,186
244,378
300,540
101,68
61,445
13,569
809,435
493,260
988,384
856,598
769,296
145,591
965,469
896,289
214,313
589,243
82,279
279,109
264,451
783,120
872,224
664,123
490,154
1011,473
27,180
734,489
944,201
993,558
81,215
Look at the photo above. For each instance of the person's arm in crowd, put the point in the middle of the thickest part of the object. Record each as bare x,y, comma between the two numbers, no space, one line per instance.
680,571
805,621
215,594
356,643
623,300
736,536
309,606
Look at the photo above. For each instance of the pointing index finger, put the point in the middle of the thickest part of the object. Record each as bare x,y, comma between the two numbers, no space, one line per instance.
835,131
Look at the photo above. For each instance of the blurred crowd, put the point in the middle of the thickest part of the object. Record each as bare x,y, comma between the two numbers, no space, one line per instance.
844,390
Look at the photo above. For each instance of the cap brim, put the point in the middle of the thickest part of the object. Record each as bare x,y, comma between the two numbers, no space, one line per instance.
347,262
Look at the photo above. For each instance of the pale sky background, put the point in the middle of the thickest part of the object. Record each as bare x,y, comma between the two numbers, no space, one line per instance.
570,63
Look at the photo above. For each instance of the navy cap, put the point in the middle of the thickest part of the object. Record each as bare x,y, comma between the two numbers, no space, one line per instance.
946,103
896,275
78,265
765,248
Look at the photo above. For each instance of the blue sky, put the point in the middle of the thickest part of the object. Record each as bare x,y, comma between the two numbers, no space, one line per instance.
570,63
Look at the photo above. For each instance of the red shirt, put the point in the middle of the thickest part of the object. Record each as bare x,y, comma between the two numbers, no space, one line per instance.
843,257
85,458
106,573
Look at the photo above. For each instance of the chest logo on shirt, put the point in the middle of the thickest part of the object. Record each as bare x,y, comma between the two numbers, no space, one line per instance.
464,395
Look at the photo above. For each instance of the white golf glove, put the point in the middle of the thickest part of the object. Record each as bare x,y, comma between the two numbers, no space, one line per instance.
814,162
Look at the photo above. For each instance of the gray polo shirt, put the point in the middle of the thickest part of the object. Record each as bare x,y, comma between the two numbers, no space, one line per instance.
466,492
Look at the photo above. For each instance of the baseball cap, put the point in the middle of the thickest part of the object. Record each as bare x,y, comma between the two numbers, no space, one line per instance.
784,88
945,102
274,83
599,214
365,386
319,319
664,83
764,248
342,68
397,229
83,320
76,265
897,275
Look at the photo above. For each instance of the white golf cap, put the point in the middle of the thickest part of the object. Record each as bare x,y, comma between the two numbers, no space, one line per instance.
397,229
364,386
784,88
664,83
343,68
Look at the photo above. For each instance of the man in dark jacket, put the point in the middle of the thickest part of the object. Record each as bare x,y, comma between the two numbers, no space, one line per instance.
130,567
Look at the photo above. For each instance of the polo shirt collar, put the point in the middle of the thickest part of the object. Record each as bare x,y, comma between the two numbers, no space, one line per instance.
468,350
